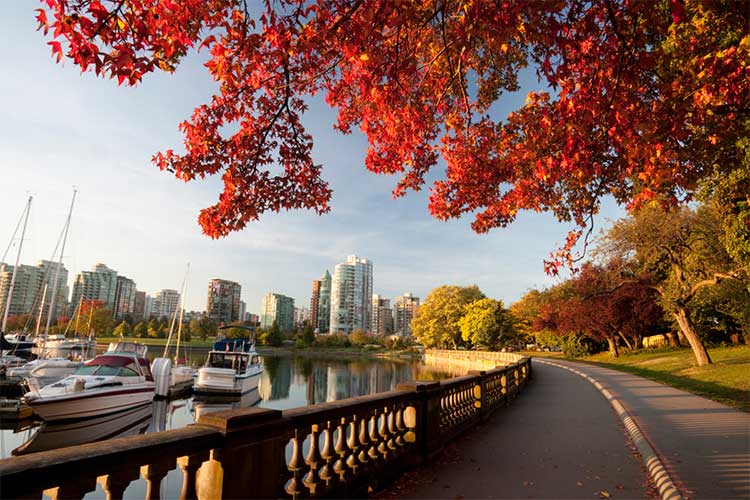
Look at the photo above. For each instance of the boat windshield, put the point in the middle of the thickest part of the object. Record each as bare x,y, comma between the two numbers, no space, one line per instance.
106,371
234,361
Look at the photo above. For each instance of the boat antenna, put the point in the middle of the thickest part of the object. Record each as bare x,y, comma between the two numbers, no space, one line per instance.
57,271
9,297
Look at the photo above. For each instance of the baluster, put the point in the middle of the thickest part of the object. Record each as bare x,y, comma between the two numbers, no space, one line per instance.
153,474
392,430
504,384
364,441
400,427
314,461
372,427
296,465
329,456
383,448
190,465
116,483
342,450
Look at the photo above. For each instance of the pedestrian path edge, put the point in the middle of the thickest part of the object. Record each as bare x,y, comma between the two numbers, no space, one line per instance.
652,462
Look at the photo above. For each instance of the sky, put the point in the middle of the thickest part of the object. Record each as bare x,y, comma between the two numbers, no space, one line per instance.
61,128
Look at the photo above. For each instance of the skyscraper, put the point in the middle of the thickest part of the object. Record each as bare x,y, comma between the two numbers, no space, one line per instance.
124,297
278,308
167,301
404,310
98,284
382,316
315,302
28,288
139,306
322,320
223,301
351,295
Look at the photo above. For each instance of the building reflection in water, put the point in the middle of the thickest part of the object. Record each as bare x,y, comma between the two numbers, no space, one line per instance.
322,380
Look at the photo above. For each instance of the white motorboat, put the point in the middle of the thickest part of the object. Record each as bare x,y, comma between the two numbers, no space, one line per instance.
114,381
233,368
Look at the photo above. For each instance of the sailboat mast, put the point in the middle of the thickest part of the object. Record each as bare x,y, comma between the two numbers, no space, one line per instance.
41,310
182,311
57,271
15,268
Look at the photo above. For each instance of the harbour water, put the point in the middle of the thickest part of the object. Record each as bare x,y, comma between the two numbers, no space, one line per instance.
287,382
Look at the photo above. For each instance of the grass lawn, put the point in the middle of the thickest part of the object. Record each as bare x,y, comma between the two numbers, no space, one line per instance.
727,380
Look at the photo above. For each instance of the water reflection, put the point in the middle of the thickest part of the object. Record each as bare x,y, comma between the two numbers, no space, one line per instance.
287,382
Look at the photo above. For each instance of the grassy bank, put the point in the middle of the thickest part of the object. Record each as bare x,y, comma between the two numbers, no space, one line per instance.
727,380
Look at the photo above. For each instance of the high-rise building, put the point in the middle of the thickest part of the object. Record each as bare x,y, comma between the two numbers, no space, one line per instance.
151,307
28,289
223,301
351,295
139,306
315,302
167,302
98,284
278,308
382,316
243,310
301,317
124,297
253,318
323,317
404,310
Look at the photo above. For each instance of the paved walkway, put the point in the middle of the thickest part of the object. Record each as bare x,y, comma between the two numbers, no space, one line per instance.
704,445
561,439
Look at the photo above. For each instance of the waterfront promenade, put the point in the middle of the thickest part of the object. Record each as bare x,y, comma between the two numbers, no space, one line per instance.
562,439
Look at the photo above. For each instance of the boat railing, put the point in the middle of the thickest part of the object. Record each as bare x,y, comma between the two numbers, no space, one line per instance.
334,449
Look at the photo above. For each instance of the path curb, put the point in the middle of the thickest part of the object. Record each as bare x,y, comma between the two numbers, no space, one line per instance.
652,462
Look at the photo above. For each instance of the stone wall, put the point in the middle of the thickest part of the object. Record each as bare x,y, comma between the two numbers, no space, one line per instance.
455,361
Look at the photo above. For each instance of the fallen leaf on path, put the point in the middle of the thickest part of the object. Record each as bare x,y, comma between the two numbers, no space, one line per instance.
604,494
620,486
579,483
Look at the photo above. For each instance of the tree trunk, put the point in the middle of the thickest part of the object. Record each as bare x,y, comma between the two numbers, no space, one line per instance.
612,341
639,342
625,339
687,328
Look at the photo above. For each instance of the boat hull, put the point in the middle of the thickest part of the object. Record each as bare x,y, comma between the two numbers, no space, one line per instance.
213,381
87,404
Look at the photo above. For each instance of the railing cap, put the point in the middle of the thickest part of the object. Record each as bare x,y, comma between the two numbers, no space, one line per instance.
233,420
419,386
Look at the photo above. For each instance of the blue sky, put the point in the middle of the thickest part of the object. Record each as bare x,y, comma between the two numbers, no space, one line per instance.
61,128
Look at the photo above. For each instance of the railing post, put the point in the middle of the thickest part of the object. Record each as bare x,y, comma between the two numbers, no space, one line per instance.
252,458
480,394
429,440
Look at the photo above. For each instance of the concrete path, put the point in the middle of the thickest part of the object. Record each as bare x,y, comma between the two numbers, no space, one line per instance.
705,446
559,439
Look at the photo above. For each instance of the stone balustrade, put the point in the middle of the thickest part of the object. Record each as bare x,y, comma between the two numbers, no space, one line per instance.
340,448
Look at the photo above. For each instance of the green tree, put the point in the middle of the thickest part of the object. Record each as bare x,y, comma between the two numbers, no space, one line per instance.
682,250
140,330
274,335
308,335
153,328
486,324
436,322
122,330
203,327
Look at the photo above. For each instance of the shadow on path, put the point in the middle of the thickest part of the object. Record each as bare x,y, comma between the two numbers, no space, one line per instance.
559,439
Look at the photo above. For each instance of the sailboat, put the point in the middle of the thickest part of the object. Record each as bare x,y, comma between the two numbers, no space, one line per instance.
171,379
9,347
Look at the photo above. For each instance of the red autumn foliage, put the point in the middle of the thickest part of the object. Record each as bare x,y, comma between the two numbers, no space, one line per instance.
648,96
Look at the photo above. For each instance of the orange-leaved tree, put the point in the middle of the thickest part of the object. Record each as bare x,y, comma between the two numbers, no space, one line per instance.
648,97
